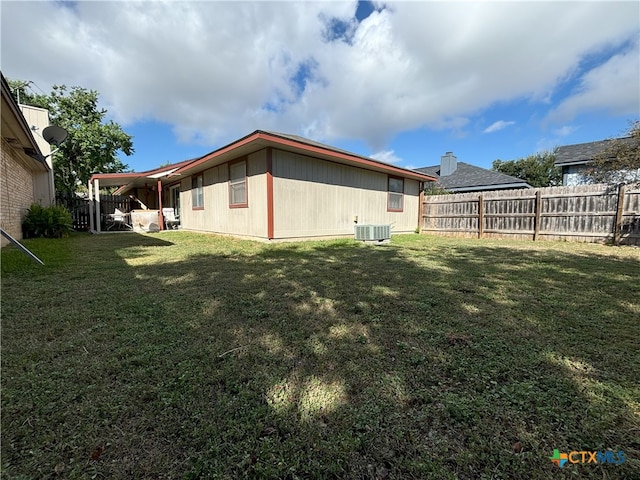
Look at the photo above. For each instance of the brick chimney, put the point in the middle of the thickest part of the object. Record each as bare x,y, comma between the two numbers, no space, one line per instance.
448,164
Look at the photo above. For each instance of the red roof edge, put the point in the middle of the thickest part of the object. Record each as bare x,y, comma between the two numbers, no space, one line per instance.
145,173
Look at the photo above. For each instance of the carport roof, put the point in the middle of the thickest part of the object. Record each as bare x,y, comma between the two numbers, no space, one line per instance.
137,179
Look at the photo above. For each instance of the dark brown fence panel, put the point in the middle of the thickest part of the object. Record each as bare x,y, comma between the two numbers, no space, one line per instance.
79,208
109,203
594,213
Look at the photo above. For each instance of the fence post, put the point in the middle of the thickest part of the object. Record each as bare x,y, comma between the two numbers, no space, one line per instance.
480,216
91,207
619,211
420,211
536,217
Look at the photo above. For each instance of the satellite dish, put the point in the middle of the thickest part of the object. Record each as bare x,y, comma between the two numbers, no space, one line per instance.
54,135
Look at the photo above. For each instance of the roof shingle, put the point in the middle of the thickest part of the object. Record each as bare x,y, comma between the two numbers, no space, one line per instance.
581,153
470,177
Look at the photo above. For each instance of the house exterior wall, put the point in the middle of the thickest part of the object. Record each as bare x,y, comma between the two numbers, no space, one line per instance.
311,198
39,118
17,191
216,215
43,184
315,198
572,175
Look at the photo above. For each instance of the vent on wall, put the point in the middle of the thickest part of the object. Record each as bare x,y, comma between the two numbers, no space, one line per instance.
373,233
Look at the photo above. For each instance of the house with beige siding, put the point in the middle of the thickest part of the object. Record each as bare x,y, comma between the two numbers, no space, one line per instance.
275,186
27,172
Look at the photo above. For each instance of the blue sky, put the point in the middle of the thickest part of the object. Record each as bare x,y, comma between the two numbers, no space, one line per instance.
403,82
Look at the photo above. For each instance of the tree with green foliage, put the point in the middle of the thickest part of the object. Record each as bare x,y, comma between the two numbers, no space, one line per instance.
434,188
619,162
537,170
92,144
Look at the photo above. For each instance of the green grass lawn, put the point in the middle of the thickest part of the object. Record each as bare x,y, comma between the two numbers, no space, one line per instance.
181,355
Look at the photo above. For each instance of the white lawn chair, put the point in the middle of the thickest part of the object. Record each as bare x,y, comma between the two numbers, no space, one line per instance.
118,220
171,222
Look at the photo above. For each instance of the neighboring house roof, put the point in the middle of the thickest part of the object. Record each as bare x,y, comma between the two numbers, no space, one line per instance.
260,139
16,131
467,178
582,153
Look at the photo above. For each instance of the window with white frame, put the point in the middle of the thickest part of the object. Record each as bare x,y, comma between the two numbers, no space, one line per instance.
238,184
396,194
197,191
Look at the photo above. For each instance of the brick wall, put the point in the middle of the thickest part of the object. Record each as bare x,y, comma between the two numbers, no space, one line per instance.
16,187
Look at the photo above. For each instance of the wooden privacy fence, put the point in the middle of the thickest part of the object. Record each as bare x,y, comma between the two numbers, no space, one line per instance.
109,203
591,213
79,207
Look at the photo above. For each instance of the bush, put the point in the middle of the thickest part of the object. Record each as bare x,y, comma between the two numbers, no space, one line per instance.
48,222
435,189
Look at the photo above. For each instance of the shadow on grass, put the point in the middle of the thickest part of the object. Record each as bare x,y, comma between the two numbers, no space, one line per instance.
333,360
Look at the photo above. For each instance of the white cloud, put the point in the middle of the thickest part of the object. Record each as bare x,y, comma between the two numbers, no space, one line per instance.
613,87
217,70
387,156
565,130
499,125
547,144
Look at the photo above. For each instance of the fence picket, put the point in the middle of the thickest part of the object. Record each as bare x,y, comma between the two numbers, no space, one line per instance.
79,207
592,213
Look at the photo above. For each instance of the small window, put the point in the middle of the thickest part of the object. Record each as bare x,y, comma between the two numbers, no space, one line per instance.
238,184
197,193
396,194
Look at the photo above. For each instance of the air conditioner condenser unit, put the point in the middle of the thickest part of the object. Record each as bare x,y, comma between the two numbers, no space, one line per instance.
373,233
